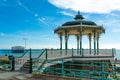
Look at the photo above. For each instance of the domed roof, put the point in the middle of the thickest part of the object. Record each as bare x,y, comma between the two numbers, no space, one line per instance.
79,20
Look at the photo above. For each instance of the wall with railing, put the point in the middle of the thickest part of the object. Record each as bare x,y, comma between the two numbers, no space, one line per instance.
95,70
41,56
56,53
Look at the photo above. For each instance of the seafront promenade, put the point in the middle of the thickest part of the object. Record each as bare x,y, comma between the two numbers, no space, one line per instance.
14,75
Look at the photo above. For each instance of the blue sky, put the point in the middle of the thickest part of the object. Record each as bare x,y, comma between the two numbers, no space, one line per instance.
36,20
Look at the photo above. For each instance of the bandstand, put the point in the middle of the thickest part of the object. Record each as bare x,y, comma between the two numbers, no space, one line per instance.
80,28
83,64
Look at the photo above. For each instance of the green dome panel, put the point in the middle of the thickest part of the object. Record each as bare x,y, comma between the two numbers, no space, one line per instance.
79,22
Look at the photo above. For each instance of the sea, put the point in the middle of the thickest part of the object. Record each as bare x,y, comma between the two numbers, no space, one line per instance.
9,52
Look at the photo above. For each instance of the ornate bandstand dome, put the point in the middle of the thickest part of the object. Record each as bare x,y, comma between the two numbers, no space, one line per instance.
79,19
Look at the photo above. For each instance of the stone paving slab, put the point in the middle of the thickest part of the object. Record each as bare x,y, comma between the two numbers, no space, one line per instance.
8,75
17,75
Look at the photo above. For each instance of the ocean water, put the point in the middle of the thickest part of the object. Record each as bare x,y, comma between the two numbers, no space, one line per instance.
8,52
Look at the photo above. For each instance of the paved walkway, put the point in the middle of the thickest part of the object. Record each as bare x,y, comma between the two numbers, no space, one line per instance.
17,75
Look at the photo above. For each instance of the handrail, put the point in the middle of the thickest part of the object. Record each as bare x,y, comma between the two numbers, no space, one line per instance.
43,62
41,53
41,65
23,54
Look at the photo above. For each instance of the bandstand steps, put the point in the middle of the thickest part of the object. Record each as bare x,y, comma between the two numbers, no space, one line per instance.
26,66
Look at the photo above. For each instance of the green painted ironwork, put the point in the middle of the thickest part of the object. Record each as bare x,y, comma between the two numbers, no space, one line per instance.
38,63
90,42
94,42
89,69
113,51
46,55
97,44
13,63
94,69
103,72
66,40
60,41
80,33
60,45
30,57
82,52
72,52
25,52
62,67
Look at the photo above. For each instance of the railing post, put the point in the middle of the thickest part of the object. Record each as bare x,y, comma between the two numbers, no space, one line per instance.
13,63
82,52
81,73
30,57
113,53
46,55
62,67
72,52
103,73
60,52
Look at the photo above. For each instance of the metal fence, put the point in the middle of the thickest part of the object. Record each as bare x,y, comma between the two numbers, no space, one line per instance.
60,62
95,70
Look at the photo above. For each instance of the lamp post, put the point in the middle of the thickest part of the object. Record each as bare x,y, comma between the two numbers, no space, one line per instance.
25,39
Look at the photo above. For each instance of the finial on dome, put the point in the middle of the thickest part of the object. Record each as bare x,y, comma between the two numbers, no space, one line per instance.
78,16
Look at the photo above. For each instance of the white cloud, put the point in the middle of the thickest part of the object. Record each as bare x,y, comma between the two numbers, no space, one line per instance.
20,3
66,13
25,7
42,20
91,6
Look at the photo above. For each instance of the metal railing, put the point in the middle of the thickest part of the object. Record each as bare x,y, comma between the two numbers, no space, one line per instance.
98,70
20,61
58,62
41,57
38,63
57,54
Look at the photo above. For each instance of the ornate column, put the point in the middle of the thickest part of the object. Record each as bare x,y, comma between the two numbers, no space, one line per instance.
60,36
94,42
90,35
80,40
77,37
66,40
97,43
